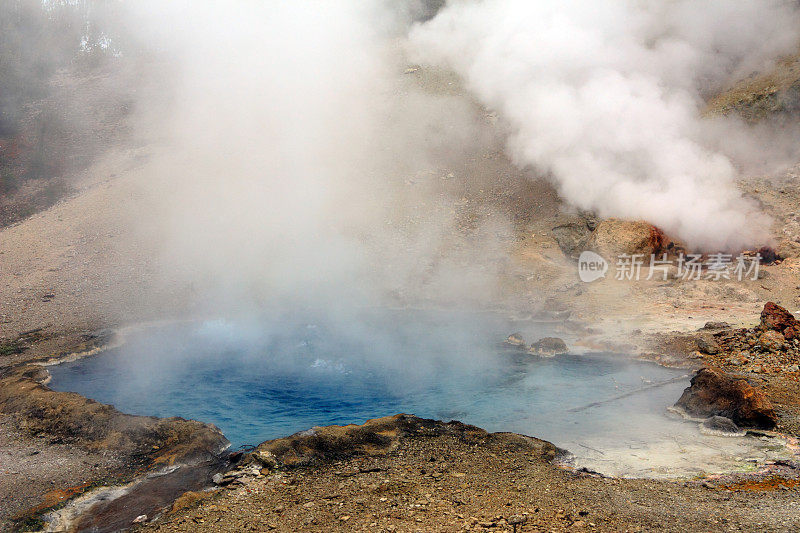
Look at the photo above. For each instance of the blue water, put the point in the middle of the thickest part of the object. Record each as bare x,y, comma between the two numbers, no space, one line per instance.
267,378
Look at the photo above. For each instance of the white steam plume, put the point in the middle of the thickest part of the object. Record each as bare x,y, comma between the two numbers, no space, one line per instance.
606,96
289,134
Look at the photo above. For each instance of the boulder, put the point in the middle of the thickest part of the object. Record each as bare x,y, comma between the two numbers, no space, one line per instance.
714,393
614,237
776,318
549,347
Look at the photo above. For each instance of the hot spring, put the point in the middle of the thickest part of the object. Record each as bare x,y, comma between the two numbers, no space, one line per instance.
259,379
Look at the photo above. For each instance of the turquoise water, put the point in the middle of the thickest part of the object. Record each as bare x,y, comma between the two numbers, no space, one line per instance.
271,377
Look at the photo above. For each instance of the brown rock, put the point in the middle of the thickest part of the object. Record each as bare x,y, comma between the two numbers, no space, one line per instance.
738,359
707,346
375,437
614,237
549,347
772,340
571,237
265,457
714,393
776,318
515,340
716,325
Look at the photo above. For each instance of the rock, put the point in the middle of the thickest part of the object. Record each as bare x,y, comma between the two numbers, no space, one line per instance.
776,318
721,425
515,340
714,393
716,325
376,437
266,458
772,341
188,499
572,237
254,471
614,237
768,255
224,479
707,346
139,519
517,519
738,359
549,347
235,457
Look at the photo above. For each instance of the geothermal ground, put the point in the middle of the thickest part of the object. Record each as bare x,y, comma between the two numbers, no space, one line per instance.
61,272
79,270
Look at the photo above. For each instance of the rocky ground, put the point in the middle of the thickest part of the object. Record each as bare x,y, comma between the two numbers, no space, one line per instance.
61,445
418,475
766,355
34,465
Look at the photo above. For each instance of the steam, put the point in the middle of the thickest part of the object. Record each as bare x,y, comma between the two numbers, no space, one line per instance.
290,134
607,95
289,142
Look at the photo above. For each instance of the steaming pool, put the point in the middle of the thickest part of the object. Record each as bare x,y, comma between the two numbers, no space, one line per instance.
256,380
